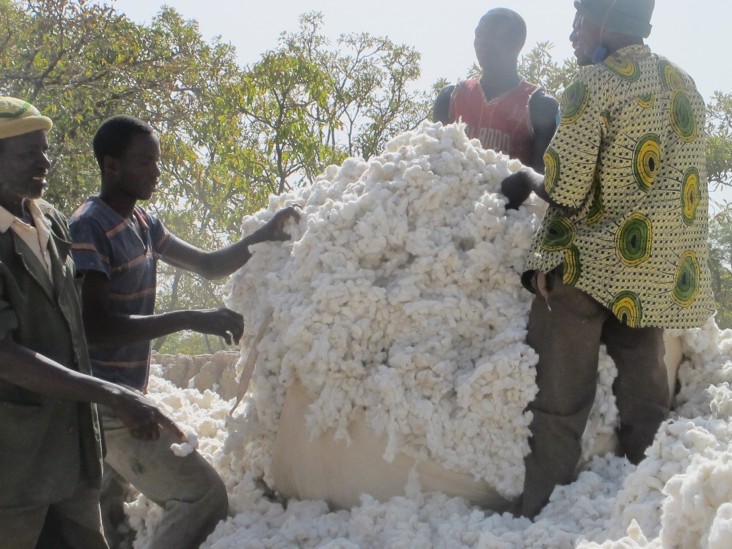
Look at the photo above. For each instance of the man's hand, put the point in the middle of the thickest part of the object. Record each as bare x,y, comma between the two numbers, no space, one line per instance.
517,187
221,322
273,230
144,421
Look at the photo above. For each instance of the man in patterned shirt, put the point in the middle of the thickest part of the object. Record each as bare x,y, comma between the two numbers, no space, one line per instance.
622,250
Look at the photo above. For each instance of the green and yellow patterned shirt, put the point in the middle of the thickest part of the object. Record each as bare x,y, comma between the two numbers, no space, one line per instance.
628,162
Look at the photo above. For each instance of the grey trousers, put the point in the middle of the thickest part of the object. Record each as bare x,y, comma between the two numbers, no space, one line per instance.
566,331
189,490
73,523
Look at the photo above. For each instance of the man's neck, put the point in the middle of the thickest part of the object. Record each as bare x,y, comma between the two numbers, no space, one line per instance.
14,204
120,202
499,82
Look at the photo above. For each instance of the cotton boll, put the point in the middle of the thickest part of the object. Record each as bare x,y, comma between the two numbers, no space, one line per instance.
720,534
187,447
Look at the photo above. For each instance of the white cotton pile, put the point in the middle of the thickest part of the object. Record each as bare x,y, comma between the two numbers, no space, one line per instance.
679,496
399,298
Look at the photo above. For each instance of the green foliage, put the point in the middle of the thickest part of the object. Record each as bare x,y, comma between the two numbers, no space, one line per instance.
719,173
719,143
720,264
309,103
539,67
190,343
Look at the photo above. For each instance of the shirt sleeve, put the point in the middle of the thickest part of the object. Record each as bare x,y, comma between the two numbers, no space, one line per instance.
8,318
159,235
571,158
91,248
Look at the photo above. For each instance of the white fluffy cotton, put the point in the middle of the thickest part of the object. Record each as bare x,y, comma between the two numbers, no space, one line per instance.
399,296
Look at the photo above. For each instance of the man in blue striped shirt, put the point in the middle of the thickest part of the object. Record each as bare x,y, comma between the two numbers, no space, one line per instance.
117,245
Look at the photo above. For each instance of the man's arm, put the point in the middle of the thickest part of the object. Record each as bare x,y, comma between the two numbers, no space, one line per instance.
543,111
105,327
441,108
223,262
39,374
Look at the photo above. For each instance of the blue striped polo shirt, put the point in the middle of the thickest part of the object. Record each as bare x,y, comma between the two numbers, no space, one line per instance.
106,242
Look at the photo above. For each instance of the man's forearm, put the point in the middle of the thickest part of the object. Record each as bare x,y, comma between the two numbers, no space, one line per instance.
225,261
39,374
117,330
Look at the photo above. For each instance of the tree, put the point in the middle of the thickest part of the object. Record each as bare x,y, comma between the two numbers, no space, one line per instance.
719,173
309,103
539,66
720,265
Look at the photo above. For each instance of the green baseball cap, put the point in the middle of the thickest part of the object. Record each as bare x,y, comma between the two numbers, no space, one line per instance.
629,17
18,117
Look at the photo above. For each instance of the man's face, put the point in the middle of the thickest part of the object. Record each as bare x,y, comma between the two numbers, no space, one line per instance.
24,167
585,37
493,41
137,171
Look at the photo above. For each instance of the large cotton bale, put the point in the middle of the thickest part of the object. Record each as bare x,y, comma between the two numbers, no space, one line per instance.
392,332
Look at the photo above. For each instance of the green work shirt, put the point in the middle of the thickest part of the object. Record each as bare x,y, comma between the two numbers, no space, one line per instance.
627,167
47,446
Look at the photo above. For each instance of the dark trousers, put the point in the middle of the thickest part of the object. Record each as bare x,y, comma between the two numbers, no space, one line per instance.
566,331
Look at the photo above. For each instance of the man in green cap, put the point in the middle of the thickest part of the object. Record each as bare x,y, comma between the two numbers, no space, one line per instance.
621,253
50,443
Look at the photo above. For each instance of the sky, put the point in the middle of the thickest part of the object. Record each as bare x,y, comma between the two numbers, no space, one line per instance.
693,38
692,34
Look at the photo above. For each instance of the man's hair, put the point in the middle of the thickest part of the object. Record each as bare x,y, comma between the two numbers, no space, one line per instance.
115,134
511,20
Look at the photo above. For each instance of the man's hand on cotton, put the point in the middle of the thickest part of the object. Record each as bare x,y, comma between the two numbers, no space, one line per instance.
144,421
516,187
222,322
274,229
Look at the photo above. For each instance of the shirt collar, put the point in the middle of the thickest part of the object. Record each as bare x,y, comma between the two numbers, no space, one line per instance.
42,224
634,50
7,218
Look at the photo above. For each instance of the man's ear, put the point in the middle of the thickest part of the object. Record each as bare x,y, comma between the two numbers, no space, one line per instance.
111,165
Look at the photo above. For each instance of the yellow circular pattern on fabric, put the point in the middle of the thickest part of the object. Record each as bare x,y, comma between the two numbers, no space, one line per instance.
686,281
572,266
646,101
682,117
646,161
559,234
574,101
551,169
690,195
627,308
625,68
634,240
670,75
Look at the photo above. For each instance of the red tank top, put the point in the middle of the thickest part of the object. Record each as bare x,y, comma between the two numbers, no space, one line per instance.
502,124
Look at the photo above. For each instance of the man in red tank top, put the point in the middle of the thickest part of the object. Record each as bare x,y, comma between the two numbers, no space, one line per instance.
503,111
